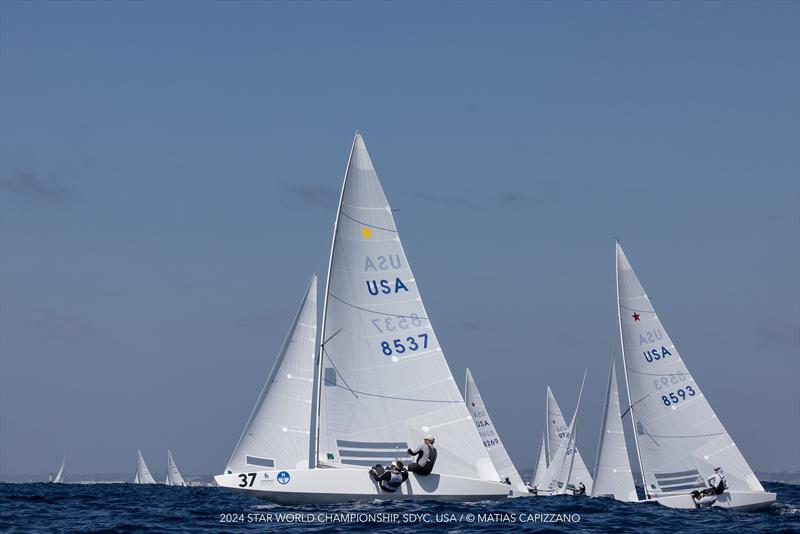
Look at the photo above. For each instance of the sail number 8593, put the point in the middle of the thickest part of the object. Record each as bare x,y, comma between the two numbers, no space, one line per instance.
679,395
410,344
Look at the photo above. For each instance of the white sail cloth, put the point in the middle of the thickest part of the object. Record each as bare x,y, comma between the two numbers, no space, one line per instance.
612,471
174,477
489,435
559,448
60,475
143,475
384,381
679,438
277,433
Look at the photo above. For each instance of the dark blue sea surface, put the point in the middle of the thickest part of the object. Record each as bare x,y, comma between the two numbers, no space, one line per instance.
133,508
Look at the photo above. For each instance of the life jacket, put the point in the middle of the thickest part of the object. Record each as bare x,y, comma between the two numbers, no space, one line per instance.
394,482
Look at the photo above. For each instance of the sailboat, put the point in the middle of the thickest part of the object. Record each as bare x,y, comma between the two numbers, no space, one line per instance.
277,433
612,469
564,467
679,439
60,475
381,380
173,477
142,475
491,439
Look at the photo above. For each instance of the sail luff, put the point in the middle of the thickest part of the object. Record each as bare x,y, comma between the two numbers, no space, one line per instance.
625,369
320,355
60,475
572,435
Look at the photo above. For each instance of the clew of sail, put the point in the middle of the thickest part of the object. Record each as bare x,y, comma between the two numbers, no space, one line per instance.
384,382
679,438
174,477
143,475
276,435
491,439
612,471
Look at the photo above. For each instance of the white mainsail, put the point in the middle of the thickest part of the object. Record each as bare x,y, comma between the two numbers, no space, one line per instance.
383,380
174,477
537,479
491,439
612,470
679,438
559,448
276,435
143,475
60,475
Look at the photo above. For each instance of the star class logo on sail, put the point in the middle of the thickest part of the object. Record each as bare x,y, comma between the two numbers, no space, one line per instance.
283,477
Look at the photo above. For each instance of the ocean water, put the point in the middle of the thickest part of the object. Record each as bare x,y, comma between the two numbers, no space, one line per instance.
107,508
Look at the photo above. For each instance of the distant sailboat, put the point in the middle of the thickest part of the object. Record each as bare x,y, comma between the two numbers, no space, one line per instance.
59,479
612,470
491,439
679,438
174,477
277,433
142,475
565,467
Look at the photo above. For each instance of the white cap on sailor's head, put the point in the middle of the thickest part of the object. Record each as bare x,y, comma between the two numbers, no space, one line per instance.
429,437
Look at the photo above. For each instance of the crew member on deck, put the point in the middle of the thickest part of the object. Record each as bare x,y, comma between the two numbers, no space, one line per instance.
425,457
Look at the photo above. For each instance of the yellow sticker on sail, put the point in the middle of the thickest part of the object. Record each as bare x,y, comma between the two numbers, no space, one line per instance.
366,232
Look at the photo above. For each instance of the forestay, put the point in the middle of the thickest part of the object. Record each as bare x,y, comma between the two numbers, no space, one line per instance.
612,471
143,475
276,435
488,433
174,477
679,438
384,381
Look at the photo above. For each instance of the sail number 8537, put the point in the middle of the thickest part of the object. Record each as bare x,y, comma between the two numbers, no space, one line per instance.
679,395
410,344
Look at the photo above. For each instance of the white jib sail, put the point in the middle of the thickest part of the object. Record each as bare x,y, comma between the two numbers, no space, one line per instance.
537,479
679,438
489,435
143,475
612,470
174,477
60,475
558,442
384,381
276,435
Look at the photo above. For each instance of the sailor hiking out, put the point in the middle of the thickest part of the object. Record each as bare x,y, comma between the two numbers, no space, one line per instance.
425,457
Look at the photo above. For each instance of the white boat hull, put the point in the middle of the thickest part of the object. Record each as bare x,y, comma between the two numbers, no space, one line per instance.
741,501
324,486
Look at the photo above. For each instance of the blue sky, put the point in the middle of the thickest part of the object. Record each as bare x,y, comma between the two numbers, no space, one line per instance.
169,178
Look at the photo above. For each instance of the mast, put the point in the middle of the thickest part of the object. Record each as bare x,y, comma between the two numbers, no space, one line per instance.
625,368
603,422
536,466
320,355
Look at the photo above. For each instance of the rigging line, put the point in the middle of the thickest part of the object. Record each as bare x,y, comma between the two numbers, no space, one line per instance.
393,397
333,336
367,224
677,373
632,405
337,374
377,312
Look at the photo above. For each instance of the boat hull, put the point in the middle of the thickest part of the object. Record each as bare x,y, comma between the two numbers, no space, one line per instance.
326,486
742,501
